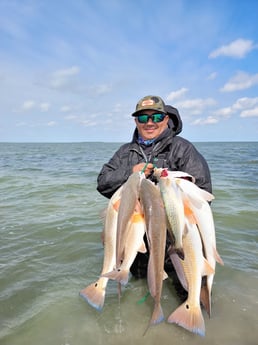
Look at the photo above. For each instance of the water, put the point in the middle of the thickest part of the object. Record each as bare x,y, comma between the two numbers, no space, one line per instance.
50,249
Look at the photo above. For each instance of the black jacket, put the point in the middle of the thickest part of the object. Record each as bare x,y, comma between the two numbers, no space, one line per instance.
169,151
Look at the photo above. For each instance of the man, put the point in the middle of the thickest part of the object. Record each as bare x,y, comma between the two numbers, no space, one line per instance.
156,142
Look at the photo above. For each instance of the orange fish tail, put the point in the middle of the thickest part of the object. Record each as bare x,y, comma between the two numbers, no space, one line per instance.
121,276
189,318
94,294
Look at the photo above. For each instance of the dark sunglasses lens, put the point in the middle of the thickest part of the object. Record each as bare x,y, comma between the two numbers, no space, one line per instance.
143,118
155,118
158,117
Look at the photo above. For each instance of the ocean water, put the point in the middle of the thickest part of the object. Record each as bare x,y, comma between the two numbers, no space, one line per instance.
50,249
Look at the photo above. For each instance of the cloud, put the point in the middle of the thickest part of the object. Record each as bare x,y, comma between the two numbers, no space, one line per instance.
44,107
224,112
236,49
65,109
196,105
51,123
240,81
172,96
250,113
244,104
31,104
64,73
64,78
210,120
101,89
27,105
88,123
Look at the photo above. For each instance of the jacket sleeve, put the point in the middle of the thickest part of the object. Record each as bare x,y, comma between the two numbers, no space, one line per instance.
114,173
190,160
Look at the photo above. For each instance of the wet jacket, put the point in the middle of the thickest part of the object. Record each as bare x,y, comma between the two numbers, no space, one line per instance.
168,151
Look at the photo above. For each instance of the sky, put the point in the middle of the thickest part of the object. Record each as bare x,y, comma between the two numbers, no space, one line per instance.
73,71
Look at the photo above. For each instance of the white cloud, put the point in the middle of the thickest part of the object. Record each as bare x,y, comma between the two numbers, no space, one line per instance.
51,123
65,109
27,105
88,123
100,89
30,104
210,120
244,104
236,49
240,81
44,107
196,105
71,117
250,113
224,112
172,96
64,77
63,73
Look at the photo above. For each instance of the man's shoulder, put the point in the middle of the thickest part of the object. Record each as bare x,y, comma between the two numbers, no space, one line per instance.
182,141
126,147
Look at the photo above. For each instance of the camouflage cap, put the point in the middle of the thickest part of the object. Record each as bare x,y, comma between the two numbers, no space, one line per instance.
150,103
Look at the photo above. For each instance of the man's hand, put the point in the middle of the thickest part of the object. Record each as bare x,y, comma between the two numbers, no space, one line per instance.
148,169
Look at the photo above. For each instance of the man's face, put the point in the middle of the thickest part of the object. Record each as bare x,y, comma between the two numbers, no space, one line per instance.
151,130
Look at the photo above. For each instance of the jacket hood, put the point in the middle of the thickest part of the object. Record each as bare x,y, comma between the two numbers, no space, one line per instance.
176,123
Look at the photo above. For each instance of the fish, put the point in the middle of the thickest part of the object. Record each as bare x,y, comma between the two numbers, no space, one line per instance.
171,195
205,297
134,243
189,314
129,198
178,174
196,203
95,293
155,218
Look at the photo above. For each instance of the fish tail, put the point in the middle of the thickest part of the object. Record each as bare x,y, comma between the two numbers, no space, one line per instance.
205,298
189,317
121,276
157,315
94,293
218,257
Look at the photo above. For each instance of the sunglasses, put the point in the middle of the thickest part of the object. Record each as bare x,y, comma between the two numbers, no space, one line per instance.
144,118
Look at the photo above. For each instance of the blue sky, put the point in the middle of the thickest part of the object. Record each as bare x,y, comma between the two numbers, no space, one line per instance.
74,70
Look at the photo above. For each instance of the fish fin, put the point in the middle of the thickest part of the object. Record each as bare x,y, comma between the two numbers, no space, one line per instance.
94,293
217,257
121,276
188,317
207,269
165,276
137,217
205,299
189,212
180,253
116,205
179,270
206,195
142,248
